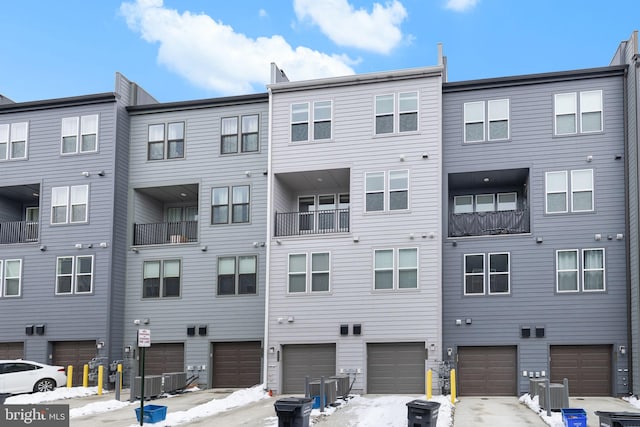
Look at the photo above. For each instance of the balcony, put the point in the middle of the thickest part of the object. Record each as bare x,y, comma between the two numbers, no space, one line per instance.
162,233
18,232
317,222
489,223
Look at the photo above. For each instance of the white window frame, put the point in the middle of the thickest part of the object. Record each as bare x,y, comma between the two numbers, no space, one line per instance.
579,108
293,122
499,203
387,190
472,120
307,273
492,116
74,275
559,191
315,119
9,136
162,276
493,203
77,130
231,203
395,269
498,273
601,269
404,188
575,270
584,109
416,110
575,189
236,274
367,191
3,275
572,110
384,114
570,190
69,203
474,274
470,205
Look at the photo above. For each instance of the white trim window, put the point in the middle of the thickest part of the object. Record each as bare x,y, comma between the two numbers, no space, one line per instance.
309,273
568,112
161,278
312,121
11,274
557,198
395,269
507,201
237,275
322,115
74,275
387,191
498,272
474,274
13,141
79,134
248,135
300,122
407,111
574,272
474,121
485,203
238,211
165,145
495,112
69,204
386,119
498,117
463,204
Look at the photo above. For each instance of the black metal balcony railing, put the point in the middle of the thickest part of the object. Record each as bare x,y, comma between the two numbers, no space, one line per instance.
317,222
18,232
489,223
162,233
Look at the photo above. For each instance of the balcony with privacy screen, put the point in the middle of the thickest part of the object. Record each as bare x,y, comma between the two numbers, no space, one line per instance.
312,202
488,203
165,215
19,213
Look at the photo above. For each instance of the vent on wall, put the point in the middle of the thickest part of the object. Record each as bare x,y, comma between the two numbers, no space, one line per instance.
191,330
344,329
202,330
539,331
525,332
357,329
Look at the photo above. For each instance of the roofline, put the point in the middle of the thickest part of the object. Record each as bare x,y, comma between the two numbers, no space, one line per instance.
71,101
199,103
527,79
382,76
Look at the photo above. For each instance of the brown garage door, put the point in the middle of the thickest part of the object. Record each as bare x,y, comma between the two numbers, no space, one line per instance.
11,350
236,364
395,367
300,360
487,371
162,358
587,367
75,353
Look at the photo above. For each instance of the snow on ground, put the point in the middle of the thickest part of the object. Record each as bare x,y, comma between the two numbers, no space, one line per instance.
48,396
633,400
555,420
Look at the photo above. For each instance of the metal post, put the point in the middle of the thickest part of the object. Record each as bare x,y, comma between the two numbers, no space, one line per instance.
547,397
85,376
429,382
142,351
306,387
69,376
565,392
322,394
118,380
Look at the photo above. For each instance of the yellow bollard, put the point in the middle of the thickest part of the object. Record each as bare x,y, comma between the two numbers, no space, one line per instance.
452,380
85,376
100,375
69,376
429,383
120,370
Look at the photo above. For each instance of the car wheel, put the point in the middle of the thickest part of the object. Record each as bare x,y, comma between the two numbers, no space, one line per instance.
45,384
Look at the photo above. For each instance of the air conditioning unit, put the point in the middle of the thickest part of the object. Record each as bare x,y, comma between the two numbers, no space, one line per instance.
559,398
174,381
330,390
342,383
152,386
534,384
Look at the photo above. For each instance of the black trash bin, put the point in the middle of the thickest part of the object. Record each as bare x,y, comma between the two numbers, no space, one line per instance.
3,396
422,413
619,419
293,411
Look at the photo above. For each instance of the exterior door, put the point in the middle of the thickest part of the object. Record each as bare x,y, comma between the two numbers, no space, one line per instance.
587,367
396,368
487,371
301,360
236,364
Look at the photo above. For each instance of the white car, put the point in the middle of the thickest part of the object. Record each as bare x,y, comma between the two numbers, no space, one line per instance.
24,376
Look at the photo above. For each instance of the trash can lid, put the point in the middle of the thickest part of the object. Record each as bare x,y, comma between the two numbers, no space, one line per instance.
294,400
417,403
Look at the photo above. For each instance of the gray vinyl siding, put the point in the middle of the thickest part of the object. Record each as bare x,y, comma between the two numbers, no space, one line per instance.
229,318
395,316
577,318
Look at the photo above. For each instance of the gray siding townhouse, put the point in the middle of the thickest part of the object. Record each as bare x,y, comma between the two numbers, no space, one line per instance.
63,192
627,53
534,255
354,284
196,237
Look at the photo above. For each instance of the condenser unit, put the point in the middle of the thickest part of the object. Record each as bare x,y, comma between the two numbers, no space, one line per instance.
342,384
330,390
534,384
559,398
174,381
152,386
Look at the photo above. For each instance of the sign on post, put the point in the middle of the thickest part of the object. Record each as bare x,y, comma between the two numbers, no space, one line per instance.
144,337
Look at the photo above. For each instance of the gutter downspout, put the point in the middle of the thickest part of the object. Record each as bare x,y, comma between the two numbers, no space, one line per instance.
265,356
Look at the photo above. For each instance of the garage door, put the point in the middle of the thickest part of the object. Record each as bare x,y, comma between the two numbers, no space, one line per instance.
487,371
162,358
312,360
75,353
587,367
395,368
236,364
11,350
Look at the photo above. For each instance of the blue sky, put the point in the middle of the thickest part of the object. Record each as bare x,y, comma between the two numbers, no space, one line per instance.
190,49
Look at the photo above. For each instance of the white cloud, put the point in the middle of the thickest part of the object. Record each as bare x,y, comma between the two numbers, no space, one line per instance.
262,13
213,56
461,5
378,31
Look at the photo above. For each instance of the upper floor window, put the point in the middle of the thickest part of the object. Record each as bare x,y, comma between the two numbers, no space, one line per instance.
485,203
74,274
395,268
11,275
69,204
387,191
573,112
321,117
238,203
166,145
13,141
475,274
309,273
161,278
80,134
402,116
497,117
557,191
247,134
237,275
569,265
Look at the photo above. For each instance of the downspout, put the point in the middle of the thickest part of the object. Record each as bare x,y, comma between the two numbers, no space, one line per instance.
265,346
627,225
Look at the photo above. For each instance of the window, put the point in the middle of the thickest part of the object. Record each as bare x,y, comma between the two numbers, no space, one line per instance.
248,136
249,133
237,275
568,112
499,274
172,147
484,203
568,266
557,187
309,272
300,122
161,279
240,204
11,276
69,204
507,201
385,113
80,134
463,204
13,141
395,269
497,117
74,275
322,120
392,195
